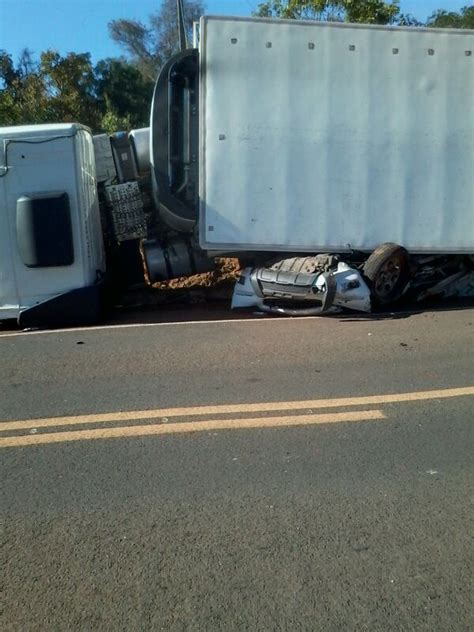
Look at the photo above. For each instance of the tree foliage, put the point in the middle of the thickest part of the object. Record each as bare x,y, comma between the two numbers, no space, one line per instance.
122,92
69,83
69,88
23,95
366,11
149,47
450,19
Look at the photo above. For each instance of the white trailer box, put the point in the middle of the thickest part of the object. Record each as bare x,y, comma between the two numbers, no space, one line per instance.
51,250
325,137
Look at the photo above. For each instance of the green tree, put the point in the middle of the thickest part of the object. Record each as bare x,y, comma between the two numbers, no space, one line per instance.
366,11
23,95
70,84
110,96
111,122
8,73
123,93
149,47
450,19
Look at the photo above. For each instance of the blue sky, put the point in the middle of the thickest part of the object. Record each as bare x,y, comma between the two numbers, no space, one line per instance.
81,25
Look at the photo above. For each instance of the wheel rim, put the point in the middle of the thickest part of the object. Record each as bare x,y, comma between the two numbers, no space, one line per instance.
388,277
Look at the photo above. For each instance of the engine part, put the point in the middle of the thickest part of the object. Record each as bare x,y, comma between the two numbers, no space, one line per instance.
125,206
316,263
176,259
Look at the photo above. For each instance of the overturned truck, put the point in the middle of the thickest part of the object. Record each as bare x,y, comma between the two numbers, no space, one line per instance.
335,161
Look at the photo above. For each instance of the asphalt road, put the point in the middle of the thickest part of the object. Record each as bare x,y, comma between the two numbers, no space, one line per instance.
311,474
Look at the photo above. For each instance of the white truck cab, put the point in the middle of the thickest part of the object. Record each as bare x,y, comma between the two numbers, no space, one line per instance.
51,250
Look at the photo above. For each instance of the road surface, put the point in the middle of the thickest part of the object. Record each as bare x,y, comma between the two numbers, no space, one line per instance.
311,474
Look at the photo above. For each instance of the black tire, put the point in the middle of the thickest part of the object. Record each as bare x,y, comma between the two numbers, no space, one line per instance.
388,271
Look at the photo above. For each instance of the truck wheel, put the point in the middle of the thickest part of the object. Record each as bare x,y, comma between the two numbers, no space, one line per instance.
388,271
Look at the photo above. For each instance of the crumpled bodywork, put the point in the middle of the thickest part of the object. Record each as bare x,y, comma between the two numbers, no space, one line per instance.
460,284
302,293
323,284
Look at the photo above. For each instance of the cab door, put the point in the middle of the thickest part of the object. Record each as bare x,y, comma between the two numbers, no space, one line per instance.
41,191
9,299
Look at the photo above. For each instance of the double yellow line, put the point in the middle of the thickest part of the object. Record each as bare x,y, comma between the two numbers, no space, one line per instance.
303,415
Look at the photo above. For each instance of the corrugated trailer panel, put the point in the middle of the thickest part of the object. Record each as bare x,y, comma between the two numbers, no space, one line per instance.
330,137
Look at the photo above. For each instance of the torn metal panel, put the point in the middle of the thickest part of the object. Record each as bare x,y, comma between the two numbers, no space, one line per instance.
300,293
460,284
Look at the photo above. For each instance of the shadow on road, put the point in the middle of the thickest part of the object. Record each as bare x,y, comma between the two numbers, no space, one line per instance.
410,309
207,306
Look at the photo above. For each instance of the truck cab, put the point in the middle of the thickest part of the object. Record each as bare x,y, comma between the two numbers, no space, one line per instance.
52,259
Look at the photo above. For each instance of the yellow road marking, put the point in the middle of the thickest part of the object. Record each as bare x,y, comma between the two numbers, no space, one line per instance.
190,426
264,407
